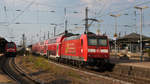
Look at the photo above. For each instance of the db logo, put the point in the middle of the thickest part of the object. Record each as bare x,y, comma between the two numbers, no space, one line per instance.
97,50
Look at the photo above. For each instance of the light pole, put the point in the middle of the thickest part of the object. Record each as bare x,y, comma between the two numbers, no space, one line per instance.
141,26
115,35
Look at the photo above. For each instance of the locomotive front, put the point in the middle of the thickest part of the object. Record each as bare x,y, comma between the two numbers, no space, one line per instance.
98,50
10,49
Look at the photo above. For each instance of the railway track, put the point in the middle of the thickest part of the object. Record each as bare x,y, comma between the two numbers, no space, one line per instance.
10,68
15,73
90,72
110,75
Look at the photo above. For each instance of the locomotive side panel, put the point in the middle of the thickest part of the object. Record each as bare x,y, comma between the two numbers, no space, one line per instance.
71,49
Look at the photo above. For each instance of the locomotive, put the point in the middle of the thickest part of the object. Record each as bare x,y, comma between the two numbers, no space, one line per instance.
10,49
87,49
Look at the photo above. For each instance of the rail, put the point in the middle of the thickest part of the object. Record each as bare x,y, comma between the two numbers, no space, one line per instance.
13,71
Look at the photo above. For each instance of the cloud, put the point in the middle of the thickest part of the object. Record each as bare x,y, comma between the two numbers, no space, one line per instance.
88,3
95,3
41,4
130,0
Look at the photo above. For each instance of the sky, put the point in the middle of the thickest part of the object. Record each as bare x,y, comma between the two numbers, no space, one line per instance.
34,18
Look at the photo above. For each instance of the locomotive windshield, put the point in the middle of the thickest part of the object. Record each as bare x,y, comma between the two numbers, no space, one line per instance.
97,41
92,41
10,45
102,42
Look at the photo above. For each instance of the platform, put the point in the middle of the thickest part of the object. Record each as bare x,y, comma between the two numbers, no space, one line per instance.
132,68
138,64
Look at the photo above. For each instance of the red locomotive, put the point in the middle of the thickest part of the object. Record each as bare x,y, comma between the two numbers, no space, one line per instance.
90,49
10,49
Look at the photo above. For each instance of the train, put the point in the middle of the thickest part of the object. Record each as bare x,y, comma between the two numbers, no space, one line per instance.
85,49
10,49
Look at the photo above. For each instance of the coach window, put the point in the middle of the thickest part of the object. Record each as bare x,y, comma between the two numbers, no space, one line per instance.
102,42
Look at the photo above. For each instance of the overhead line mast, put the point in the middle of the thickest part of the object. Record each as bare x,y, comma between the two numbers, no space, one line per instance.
86,20
65,21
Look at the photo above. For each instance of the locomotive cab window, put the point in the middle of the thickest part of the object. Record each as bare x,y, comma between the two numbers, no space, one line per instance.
97,41
11,45
92,41
102,42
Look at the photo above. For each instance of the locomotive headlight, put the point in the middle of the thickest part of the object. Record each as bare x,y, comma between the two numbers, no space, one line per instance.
104,50
91,50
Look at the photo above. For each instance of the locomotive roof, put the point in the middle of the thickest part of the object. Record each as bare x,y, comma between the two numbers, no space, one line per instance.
73,37
3,40
1,37
66,34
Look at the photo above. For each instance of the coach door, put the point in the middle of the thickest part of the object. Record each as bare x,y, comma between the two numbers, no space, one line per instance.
57,50
82,49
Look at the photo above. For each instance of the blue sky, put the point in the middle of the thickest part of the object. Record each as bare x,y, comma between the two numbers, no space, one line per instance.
35,17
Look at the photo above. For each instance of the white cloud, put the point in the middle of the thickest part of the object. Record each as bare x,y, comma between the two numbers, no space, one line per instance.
41,4
130,0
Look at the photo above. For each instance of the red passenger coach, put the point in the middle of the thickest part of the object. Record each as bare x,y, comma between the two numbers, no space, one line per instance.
54,46
92,49
36,48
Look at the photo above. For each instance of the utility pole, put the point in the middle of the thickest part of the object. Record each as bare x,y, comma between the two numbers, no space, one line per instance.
23,44
55,30
44,36
135,21
65,20
86,20
23,41
48,35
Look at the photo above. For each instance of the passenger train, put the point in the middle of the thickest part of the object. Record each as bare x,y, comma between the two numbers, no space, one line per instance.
88,49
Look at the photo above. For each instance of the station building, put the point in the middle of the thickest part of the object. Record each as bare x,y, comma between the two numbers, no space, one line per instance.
130,44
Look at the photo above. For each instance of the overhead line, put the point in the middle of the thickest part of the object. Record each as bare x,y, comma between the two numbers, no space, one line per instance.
98,13
42,4
28,6
125,9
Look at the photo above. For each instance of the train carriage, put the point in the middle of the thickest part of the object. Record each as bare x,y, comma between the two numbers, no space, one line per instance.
36,48
54,46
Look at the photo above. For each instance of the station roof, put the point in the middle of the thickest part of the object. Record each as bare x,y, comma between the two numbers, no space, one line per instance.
132,37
